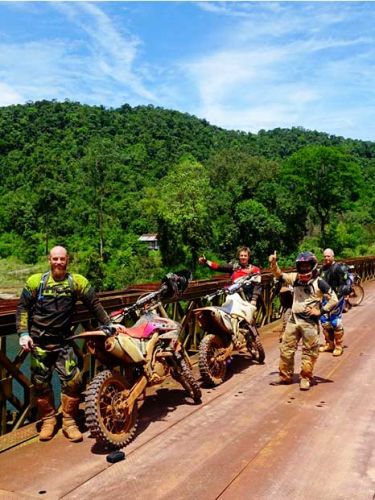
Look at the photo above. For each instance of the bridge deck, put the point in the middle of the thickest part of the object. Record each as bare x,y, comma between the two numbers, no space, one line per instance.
247,440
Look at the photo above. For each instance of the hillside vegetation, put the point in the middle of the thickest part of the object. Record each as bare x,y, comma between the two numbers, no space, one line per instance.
95,179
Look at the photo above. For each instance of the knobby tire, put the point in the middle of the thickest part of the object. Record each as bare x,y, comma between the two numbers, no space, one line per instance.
212,371
357,295
256,349
188,382
110,427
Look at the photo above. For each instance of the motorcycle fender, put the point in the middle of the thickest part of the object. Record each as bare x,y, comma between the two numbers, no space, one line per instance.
89,335
123,346
214,320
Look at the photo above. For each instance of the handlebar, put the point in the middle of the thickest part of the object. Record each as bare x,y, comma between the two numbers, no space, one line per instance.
108,330
172,285
233,288
142,301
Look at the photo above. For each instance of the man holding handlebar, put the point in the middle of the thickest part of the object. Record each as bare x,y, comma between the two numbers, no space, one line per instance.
44,317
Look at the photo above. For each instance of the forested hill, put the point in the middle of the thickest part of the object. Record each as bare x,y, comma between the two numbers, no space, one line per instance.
95,179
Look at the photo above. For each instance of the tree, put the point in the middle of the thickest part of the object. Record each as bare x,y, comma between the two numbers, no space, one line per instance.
258,228
183,213
324,179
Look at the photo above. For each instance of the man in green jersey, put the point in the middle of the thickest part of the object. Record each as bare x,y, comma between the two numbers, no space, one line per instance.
44,317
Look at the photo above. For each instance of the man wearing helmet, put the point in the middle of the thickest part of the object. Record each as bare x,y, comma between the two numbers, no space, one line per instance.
308,293
337,276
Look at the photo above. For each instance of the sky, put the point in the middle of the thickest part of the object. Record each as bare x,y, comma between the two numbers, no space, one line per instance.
239,65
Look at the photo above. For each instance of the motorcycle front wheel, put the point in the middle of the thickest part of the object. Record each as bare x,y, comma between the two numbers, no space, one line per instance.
256,349
357,295
188,382
212,369
109,423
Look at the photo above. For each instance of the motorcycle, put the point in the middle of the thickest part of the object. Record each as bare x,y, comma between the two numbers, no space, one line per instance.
147,353
357,293
228,328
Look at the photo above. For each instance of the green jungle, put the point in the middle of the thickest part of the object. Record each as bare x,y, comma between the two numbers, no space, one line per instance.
95,179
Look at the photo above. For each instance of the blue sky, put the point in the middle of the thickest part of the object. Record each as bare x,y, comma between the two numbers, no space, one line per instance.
240,65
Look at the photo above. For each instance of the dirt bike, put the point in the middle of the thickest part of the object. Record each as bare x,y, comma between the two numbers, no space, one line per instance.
147,353
228,328
357,294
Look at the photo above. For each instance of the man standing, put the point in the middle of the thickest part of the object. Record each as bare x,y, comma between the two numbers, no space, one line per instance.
239,269
303,323
44,317
337,276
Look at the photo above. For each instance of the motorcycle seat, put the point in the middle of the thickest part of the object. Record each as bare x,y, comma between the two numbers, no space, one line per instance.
142,331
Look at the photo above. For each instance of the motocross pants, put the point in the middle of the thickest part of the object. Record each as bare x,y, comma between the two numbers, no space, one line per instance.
294,332
64,361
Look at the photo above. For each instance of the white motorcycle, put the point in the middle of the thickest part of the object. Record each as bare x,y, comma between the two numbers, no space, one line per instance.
230,327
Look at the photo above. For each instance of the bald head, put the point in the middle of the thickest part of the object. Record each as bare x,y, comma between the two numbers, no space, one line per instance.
58,259
328,256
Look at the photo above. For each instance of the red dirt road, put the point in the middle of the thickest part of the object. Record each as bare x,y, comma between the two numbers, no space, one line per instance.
247,440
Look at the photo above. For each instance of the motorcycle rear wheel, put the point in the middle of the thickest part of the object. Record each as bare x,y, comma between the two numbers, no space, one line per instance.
188,382
212,370
109,425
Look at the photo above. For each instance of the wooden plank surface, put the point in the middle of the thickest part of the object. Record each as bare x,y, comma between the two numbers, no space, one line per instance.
247,440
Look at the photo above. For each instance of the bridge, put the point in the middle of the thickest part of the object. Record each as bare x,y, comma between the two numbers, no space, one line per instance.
246,440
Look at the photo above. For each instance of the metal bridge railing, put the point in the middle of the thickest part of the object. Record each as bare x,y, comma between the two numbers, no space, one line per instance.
16,402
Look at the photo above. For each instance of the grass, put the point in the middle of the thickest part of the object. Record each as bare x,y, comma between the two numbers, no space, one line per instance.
14,273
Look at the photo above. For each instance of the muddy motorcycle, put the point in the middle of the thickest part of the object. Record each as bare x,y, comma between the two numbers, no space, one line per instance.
147,353
228,328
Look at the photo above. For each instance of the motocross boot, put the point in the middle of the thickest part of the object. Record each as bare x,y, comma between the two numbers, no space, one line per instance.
339,336
304,384
70,406
48,415
329,345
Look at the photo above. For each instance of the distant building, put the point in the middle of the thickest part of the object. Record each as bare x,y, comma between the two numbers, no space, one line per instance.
151,239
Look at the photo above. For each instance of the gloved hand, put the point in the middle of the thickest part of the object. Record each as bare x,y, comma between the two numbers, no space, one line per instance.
313,311
26,342
273,258
119,328
202,260
112,329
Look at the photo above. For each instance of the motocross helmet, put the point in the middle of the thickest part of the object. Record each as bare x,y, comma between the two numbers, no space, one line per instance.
176,283
306,264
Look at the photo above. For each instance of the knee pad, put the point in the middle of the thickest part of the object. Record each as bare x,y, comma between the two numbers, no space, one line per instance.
337,324
327,328
73,386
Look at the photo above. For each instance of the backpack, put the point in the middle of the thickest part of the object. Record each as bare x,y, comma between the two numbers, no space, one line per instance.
43,282
346,281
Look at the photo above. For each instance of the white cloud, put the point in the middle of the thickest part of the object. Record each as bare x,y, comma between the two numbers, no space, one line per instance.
8,95
284,70
251,65
98,61
113,52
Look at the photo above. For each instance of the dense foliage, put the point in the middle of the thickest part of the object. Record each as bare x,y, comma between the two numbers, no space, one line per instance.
95,179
